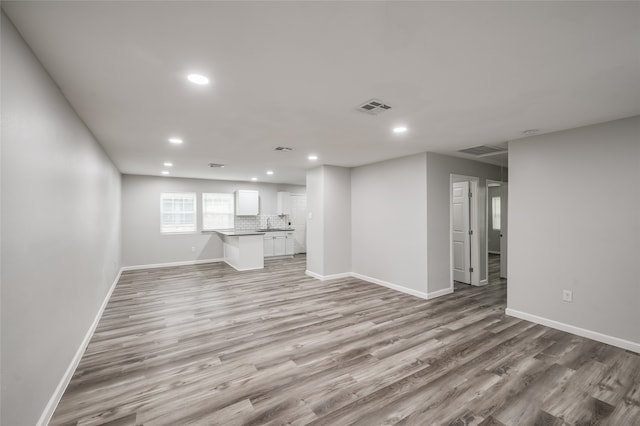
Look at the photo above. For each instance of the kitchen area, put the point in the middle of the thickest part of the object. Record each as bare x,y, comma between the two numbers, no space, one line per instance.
258,237
217,207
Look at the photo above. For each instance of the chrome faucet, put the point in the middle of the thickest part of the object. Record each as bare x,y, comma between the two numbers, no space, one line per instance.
268,223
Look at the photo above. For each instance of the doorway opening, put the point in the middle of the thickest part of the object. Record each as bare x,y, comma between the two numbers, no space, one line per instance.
464,231
496,225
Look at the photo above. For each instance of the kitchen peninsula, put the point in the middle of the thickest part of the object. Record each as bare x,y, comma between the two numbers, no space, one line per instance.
243,250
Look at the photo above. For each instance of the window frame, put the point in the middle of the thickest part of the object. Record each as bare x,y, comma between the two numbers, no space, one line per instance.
195,214
232,214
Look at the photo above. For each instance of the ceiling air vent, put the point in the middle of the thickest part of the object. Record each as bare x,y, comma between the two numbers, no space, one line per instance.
482,150
374,107
284,149
216,165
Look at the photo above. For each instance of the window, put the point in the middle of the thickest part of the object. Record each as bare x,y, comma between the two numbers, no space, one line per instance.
495,213
177,212
217,211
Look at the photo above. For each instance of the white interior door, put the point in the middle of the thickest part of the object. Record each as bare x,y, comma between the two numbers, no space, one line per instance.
460,232
504,227
298,218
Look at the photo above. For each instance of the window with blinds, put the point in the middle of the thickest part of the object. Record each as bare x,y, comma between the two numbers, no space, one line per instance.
177,212
217,211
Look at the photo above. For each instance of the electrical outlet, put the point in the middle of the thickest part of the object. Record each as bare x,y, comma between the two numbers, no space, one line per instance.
567,295
193,249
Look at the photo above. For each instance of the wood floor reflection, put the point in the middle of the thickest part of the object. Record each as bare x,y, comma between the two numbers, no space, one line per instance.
207,345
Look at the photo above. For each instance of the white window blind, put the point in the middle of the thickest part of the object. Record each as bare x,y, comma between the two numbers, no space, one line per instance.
177,212
217,211
495,213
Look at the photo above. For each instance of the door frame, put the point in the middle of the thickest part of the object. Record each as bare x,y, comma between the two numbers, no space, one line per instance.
503,225
474,184
488,224
504,230
488,219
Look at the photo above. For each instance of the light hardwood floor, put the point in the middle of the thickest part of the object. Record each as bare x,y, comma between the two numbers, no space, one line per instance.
208,345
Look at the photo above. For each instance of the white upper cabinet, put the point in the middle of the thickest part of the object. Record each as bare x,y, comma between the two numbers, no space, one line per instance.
284,203
247,203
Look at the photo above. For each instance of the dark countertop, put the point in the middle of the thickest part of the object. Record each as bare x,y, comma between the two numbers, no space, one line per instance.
241,232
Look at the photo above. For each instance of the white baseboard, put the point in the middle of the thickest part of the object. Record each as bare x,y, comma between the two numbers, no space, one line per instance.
240,269
51,406
593,335
412,292
392,286
284,256
327,277
169,264
481,283
438,293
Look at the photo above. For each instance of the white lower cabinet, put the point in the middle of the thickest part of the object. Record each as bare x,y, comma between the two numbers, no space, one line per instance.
278,244
289,244
268,246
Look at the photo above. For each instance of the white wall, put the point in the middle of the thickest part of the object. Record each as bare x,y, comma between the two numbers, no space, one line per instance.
439,170
143,244
315,221
395,239
337,220
60,232
574,223
329,228
389,226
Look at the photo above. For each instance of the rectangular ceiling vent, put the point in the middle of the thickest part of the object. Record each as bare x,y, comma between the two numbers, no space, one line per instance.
482,150
284,149
374,107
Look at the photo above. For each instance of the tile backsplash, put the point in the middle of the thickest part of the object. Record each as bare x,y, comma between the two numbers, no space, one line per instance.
250,223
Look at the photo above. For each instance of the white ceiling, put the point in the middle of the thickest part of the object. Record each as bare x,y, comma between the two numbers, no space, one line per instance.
458,74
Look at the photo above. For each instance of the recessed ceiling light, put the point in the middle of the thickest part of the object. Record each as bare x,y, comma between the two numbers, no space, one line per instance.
177,141
198,79
399,129
531,132
269,172
165,172
167,164
312,157
254,179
